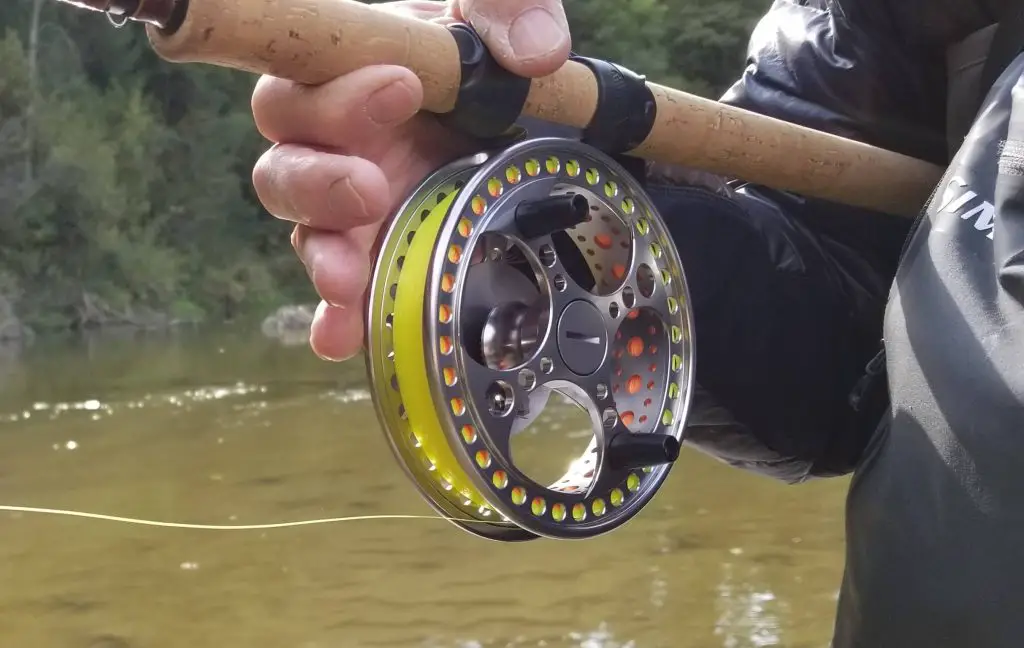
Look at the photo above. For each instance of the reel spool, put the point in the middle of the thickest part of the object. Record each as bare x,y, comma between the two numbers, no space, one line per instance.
507,276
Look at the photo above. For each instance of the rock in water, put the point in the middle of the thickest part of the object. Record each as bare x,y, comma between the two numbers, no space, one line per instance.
289,324
11,328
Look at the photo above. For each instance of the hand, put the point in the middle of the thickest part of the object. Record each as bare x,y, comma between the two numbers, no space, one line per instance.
348,152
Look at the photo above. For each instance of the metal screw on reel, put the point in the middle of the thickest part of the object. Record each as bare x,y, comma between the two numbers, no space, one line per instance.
506,277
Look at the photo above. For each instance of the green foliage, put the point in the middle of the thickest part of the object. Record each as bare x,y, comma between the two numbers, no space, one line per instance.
693,45
125,182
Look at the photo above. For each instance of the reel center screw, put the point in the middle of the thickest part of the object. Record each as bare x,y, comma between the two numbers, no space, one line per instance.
582,338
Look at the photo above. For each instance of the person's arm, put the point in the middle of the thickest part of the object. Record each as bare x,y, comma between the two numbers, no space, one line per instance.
789,294
848,68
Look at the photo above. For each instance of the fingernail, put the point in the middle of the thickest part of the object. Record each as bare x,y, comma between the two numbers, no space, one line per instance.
535,33
342,198
392,103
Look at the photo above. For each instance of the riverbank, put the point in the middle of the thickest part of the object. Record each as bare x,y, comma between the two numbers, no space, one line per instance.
288,324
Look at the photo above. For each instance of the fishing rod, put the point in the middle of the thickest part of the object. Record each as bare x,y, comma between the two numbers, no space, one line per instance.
535,265
313,41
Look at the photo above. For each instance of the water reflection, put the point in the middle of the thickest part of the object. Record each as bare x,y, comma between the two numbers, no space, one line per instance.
226,428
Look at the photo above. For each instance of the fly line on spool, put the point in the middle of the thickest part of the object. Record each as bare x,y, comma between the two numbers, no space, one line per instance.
510,276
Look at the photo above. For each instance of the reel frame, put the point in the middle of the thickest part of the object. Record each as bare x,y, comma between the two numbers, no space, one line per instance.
591,336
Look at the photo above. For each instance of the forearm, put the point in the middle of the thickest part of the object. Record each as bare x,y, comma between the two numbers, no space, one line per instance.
846,68
783,329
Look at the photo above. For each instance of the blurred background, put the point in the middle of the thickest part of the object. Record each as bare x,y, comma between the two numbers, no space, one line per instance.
153,364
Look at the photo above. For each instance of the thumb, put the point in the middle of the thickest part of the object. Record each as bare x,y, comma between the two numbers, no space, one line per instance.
527,37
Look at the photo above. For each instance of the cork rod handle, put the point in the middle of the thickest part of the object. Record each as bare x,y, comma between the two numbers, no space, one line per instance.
313,41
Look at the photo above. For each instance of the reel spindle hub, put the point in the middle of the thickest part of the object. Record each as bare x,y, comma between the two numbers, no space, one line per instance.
505,277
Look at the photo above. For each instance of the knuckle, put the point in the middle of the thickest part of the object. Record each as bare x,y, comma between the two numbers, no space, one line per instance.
274,177
265,99
262,176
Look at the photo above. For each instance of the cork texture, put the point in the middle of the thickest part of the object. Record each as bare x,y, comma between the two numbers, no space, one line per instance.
701,133
313,41
567,97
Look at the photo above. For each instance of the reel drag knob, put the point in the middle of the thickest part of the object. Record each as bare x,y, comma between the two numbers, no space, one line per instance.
507,277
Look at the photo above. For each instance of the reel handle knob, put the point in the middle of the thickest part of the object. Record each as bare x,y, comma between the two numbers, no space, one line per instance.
545,216
627,450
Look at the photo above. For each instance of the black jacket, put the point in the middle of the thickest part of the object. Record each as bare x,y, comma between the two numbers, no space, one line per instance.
935,527
814,276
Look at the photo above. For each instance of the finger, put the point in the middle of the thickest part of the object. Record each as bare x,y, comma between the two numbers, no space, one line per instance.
341,113
527,37
322,190
337,264
336,332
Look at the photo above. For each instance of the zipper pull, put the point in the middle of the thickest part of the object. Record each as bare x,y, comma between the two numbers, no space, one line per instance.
872,372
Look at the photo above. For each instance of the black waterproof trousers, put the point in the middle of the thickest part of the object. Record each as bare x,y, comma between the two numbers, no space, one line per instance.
935,520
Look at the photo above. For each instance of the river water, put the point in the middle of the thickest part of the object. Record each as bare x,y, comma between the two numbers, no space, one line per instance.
225,427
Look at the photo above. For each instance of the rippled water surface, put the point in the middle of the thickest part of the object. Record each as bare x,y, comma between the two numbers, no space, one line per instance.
227,428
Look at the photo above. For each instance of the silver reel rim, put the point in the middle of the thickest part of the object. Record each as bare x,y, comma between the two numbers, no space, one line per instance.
601,514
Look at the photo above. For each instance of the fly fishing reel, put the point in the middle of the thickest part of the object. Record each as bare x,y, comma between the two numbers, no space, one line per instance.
506,277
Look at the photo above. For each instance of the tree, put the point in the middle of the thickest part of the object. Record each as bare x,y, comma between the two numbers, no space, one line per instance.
125,191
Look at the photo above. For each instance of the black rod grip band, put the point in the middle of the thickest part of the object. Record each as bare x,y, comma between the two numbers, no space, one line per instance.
490,98
626,109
